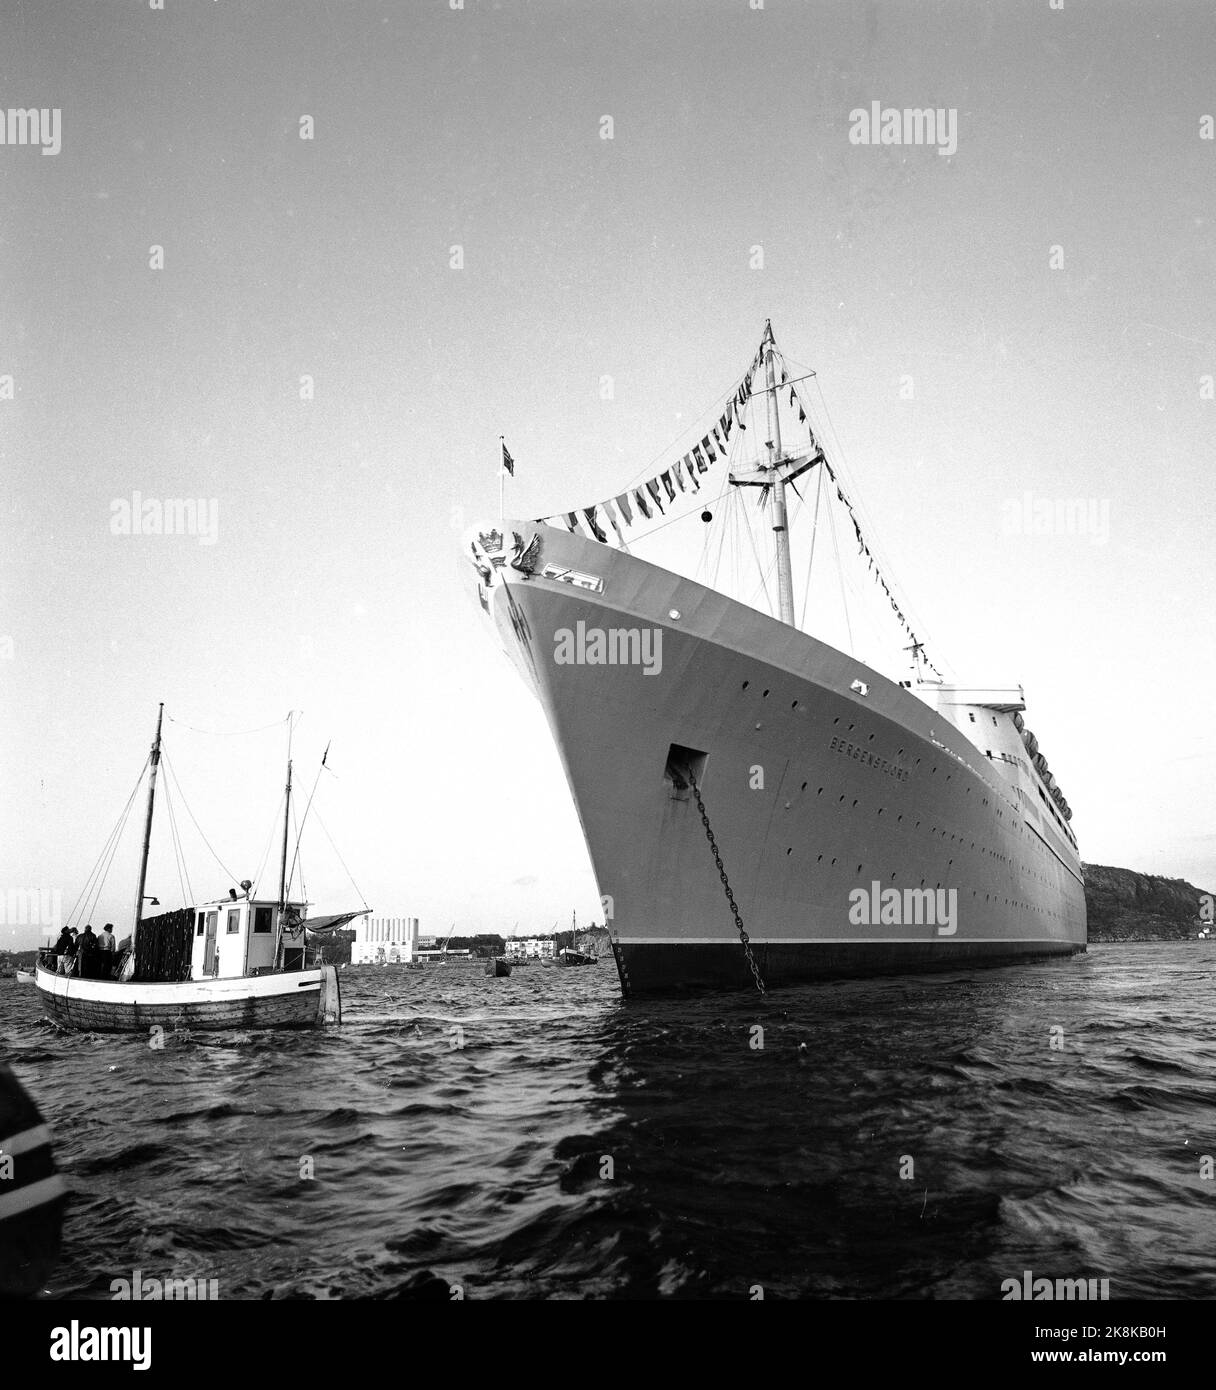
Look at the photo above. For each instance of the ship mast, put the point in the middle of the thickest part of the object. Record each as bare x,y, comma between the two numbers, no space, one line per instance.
785,578
143,862
286,823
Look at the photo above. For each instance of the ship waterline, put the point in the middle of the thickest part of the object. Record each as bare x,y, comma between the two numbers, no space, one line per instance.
825,784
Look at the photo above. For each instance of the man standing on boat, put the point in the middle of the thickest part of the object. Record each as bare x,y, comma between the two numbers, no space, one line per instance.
67,958
86,946
105,951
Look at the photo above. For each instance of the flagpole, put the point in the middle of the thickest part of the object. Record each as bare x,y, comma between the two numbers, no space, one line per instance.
502,482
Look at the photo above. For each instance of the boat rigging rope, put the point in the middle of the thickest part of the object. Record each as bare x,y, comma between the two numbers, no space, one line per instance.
291,873
844,598
107,852
882,565
688,431
341,861
257,878
304,820
810,564
164,756
228,733
183,875
730,897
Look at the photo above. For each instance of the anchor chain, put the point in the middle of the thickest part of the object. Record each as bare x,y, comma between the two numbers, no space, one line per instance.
730,897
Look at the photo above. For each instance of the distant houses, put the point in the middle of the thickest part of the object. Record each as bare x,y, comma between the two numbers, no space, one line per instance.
530,948
397,941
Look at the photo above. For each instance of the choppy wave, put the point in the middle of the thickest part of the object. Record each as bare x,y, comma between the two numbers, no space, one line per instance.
537,1137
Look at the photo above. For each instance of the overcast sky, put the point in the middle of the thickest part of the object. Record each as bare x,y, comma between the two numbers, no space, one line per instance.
1046,288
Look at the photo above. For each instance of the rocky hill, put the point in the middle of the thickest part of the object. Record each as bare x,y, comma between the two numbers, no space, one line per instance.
1126,906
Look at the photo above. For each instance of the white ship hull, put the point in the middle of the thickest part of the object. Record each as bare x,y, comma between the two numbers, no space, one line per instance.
826,785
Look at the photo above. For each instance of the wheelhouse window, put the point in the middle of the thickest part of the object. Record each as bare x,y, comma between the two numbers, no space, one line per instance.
234,921
202,918
262,918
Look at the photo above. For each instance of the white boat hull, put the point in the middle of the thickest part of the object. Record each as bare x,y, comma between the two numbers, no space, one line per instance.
288,999
820,778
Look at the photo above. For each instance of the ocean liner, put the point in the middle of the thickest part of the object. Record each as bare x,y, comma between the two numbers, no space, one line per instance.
760,807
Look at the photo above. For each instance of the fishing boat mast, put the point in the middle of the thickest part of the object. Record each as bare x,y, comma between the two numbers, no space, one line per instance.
143,861
785,577
286,823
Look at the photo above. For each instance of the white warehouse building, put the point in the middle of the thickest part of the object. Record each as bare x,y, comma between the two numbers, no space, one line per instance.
391,940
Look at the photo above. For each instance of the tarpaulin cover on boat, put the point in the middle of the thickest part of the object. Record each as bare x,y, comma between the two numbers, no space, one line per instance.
321,926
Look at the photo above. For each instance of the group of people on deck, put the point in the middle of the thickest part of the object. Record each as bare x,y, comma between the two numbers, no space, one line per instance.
88,954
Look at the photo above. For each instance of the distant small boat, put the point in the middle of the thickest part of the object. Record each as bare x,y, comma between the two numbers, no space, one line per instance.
569,957
498,968
25,977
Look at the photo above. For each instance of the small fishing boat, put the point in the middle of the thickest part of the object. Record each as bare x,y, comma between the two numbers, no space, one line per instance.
498,968
571,955
25,977
184,970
